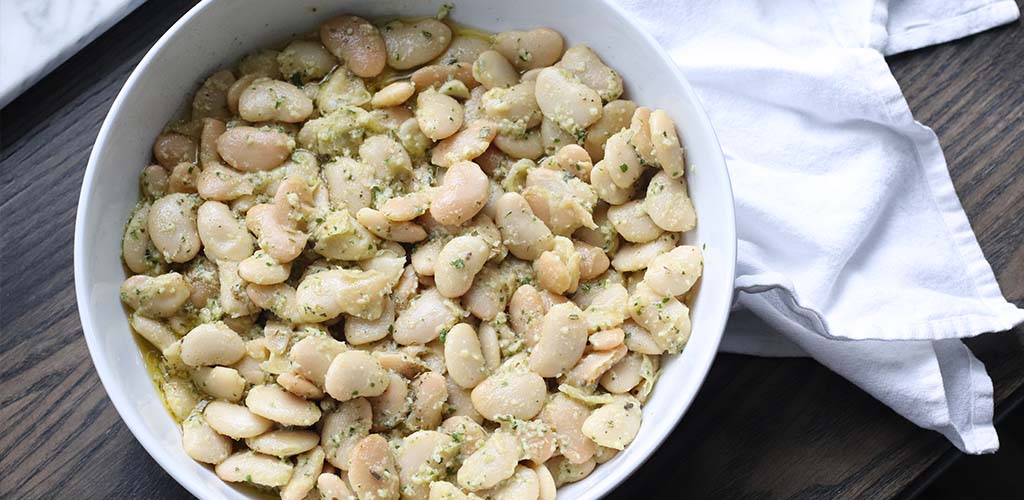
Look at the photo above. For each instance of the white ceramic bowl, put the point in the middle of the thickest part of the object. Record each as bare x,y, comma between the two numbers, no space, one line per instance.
217,32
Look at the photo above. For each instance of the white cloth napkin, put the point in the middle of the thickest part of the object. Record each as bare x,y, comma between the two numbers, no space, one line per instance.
853,245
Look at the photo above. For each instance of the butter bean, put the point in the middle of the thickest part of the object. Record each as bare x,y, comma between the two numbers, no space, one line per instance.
624,375
674,273
261,269
516,392
220,382
438,115
425,317
462,194
523,233
606,189
665,141
492,70
465,145
633,223
283,443
250,149
357,43
210,100
393,94
343,428
202,443
436,75
422,457
566,416
634,257
211,344
617,116
566,101
464,357
494,462
255,468
274,403
666,318
668,203
304,477
458,264
274,100
224,237
156,297
410,44
235,421
530,49
623,164
392,406
616,424
429,393
306,61
584,64
354,374
172,227
563,337
343,92
380,226
171,148
372,470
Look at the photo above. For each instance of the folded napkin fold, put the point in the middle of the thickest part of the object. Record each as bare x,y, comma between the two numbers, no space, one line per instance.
853,245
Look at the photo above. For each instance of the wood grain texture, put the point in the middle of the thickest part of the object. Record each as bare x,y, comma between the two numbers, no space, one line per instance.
760,428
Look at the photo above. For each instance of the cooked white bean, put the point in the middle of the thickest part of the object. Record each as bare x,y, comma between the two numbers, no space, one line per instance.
234,299
584,64
494,462
462,195
565,471
621,161
604,340
530,49
157,333
566,416
332,487
261,269
443,490
224,237
327,294
522,232
425,318
392,407
410,44
458,264
492,70
593,261
342,92
211,344
372,470
273,100
343,428
675,272
463,356
523,485
466,144
235,92
355,374
592,366
210,100
407,207
563,336
572,159
183,178
634,257
666,318
393,94
553,137
306,61
235,421
616,424
279,405
137,250
633,223
514,108
357,43
251,149
668,203
172,226
385,156
546,483
624,375
606,189
640,138
566,101
617,116
436,75
526,313
307,470
639,339
170,149
423,457
202,443
510,392
220,382
283,443
429,393
665,141
154,181
360,331
254,468
526,145
156,297
438,115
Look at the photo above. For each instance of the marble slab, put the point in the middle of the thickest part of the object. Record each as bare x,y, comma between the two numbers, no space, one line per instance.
36,36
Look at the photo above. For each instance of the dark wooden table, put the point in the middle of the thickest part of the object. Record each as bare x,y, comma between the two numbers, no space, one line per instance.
760,428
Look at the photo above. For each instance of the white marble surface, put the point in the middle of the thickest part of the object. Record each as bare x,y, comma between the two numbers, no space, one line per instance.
37,35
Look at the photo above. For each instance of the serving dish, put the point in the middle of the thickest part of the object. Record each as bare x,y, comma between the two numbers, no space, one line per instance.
213,33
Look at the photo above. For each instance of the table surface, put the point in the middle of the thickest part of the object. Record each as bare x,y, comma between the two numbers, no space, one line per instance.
759,428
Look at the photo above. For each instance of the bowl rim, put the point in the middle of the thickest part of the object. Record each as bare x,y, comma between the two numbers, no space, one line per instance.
103,365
